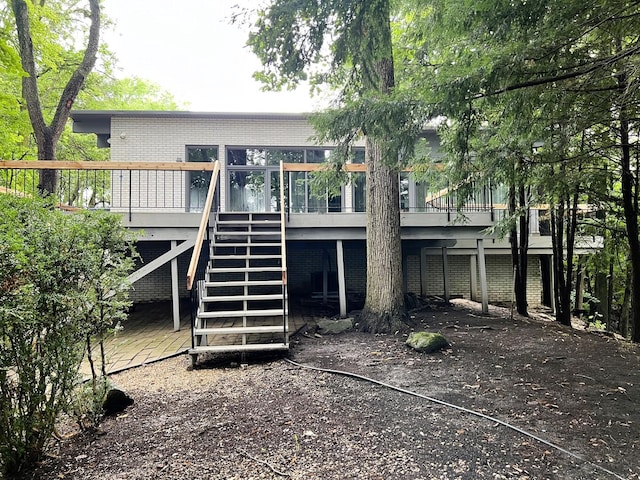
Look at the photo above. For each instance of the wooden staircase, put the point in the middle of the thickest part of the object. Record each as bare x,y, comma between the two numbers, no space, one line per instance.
242,302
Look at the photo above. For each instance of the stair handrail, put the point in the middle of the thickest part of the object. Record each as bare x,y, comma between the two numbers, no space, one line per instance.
204,222
282,225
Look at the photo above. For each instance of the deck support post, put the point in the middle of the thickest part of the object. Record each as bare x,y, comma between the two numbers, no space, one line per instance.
424,290
175,296
445,274
342,288
482,267
325,278
473,280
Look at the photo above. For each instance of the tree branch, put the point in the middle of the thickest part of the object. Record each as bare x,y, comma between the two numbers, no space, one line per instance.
30,81
76,81
566,76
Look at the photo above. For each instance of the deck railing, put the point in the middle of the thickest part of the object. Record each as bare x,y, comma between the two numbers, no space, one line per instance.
123,187
416,200
174,187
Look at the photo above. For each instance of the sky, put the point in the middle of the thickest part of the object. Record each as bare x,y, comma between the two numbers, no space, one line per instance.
190,49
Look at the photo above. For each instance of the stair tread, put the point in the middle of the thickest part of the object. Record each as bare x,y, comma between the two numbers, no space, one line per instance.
244,223
275,312
243,283
239,348
247,244
241,297
277,268
247,232
239,330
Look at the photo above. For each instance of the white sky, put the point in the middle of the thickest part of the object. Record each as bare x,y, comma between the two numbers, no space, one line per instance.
190,49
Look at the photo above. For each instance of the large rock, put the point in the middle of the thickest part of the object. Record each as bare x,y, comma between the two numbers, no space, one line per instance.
116,401
427,342
333,327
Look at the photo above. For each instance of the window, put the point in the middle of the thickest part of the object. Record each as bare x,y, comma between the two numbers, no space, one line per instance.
198,182
358,184
253,177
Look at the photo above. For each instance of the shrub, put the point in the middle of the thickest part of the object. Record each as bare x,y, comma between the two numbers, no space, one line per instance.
61,282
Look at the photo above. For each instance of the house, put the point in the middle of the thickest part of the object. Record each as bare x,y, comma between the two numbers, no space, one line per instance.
325,235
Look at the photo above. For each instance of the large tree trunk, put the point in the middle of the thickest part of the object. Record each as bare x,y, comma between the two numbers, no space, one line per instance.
47,136
384,308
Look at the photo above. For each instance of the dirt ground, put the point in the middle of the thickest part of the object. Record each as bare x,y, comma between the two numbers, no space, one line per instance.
576,394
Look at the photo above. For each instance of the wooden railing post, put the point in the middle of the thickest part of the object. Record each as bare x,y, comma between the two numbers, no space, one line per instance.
282,225
204,222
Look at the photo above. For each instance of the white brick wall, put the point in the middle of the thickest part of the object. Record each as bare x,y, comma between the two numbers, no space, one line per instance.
157,285
499,278
151,139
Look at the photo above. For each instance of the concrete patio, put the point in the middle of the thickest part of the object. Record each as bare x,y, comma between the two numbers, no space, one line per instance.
148,336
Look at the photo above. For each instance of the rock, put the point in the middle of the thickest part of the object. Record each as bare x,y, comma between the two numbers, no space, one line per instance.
334,327
116,401
427,342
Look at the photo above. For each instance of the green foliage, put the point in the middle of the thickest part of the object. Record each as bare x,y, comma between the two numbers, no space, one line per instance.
57,27
104,92
61,279
559,75
87,400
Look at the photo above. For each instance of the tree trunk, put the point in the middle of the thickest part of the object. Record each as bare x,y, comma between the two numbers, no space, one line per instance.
48,183
625,307
525,224
384,309
601,309
519,239
579,297
562,291
47,136
630,206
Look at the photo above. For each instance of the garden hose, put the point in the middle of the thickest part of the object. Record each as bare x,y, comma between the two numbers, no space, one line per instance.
462,409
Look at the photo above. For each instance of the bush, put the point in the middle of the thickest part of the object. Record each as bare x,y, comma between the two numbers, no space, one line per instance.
61,282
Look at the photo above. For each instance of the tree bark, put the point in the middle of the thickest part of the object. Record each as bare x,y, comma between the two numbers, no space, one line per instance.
519,241
625,307
561,291
629,203
47,136
384,310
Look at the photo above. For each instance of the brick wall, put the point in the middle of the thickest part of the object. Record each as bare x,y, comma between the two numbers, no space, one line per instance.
157,285
459,276
303,262
355,265
165,139
413,274
300,265
499,278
